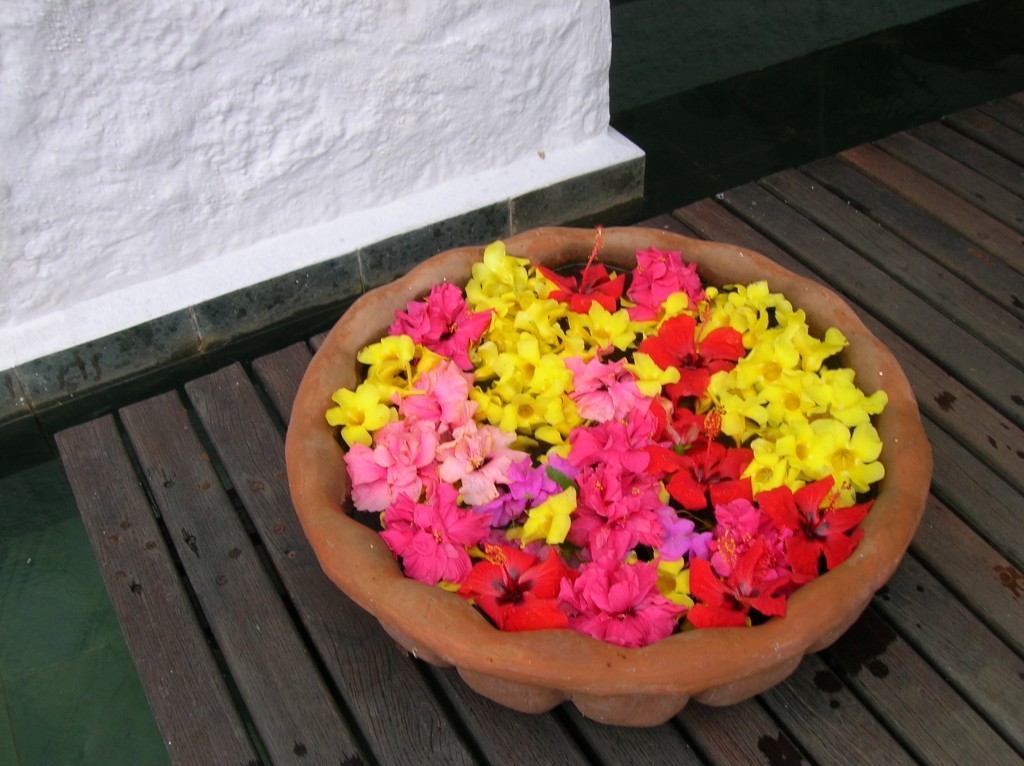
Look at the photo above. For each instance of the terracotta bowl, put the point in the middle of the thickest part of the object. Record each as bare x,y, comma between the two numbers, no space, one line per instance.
535,671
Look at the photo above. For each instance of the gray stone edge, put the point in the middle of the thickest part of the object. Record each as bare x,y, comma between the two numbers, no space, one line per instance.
29,390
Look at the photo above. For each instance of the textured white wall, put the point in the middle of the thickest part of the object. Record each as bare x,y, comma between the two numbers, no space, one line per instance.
141,140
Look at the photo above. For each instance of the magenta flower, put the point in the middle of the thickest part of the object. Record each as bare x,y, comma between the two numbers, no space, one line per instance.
443,323
400,463
431,538
622,442
602,391
615,512
659,274
619,603
680,537
526,485
740,525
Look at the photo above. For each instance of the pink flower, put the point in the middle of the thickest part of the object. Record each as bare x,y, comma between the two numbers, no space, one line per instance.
602,391
399,464
443,323
441,395
623,442
431,538
479,457
615,512
659,274
619,603
740,525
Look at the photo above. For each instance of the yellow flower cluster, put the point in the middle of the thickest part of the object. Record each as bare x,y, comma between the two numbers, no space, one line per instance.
393,365
802,421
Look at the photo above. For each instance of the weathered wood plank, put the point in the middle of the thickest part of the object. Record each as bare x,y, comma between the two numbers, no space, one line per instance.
960,179
969,657
829,721
987,503
274,673
742,733
899,685
191,703
982,159
616,744
990,132
506,737
982,369
1007,112
948,247
985,581
956,212
280,374
379,683
921,275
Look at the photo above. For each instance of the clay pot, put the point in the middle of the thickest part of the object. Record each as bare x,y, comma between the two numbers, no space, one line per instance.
535,671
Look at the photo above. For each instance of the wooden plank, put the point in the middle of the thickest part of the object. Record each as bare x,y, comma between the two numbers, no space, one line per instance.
988,435
983,669
989,132
280,374
617,744
829,721
191,703
1007,112
958,178
1003,332
955,252
742,733
986,582
274,673
506,737
956,212
379,683
982,159
987,503
899,685
987,373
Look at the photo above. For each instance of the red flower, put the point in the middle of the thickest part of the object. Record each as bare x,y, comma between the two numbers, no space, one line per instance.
676,345
517,590
725,603
596,285
816,530
707,468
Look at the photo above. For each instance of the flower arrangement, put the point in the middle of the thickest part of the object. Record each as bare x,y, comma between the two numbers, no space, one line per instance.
625,454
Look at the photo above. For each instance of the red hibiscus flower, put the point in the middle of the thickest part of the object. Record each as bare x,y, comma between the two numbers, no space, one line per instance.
517,590
817,531
676,345
727,602
706,469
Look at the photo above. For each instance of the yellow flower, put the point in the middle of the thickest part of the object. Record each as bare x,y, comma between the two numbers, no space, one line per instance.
601,329
390,363
674,582
496,280
359,413
847,403
549,521
650,378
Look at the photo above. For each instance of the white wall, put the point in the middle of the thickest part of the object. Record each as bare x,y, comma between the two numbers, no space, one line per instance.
159,153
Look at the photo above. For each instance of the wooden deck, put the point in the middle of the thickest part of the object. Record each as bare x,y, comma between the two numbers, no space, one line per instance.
248,654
